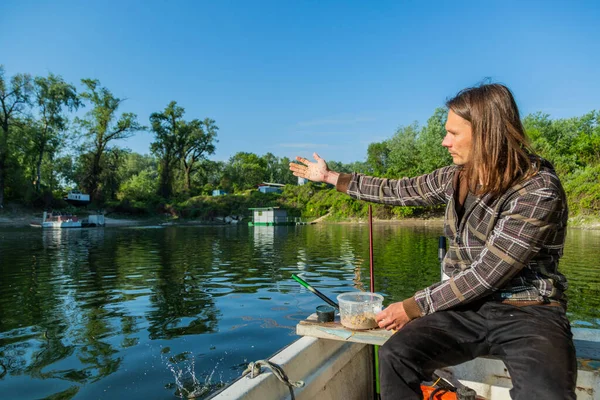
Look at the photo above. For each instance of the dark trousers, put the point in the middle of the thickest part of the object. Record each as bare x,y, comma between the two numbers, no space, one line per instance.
535,343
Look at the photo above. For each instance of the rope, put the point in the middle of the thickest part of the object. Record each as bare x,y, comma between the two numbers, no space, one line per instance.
253,370
4,370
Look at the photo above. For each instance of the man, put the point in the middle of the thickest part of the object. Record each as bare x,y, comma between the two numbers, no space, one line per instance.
506,219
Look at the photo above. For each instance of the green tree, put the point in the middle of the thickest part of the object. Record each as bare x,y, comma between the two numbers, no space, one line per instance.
432,155
135,163
339,166
51,95
284,175
587,141
378,158
139,187
197,142
246,170
208,175
110,178
167,127
14,101
272,166
102,126
65,170
403,155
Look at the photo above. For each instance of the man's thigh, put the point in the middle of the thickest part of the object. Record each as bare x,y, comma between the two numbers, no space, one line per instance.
535,343
439,340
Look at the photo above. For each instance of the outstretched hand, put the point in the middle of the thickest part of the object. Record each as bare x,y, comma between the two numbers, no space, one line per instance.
393,317
314,171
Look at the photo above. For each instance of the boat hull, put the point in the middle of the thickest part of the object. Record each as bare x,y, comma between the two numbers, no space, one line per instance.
335,369
330,370
61,224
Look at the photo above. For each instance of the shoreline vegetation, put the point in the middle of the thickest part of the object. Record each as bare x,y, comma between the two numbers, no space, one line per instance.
311,202
23,221
47,150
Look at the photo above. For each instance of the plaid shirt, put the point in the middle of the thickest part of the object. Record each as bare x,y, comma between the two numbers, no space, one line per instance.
507,248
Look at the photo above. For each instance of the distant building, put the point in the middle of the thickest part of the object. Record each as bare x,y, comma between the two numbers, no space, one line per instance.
219,192
269,216
268,187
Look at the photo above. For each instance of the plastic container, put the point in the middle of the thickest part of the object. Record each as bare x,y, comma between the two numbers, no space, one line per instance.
358,309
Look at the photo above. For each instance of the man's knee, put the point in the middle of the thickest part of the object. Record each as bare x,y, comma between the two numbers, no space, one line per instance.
394,351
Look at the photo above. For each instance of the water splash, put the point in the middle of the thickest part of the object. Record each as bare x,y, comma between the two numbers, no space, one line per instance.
187,385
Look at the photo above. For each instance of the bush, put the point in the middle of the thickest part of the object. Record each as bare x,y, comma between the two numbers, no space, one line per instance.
583,190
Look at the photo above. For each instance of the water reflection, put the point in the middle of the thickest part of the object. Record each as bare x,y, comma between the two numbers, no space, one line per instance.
125,313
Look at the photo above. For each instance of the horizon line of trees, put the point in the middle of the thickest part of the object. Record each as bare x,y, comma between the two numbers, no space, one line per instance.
46,150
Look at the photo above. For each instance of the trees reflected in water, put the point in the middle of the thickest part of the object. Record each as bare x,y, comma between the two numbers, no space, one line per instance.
77,306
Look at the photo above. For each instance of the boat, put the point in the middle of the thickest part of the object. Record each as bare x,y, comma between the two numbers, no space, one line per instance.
335,363
57,221
76,198
331,362
51,220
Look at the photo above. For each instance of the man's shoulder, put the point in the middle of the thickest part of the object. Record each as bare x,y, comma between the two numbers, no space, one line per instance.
544,178
448,171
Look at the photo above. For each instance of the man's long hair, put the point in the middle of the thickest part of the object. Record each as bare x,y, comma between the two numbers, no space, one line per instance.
500,152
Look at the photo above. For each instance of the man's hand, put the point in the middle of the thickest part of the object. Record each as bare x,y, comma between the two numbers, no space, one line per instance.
314,171
393,317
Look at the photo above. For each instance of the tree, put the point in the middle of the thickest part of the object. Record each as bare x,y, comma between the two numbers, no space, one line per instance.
167,127
14,99
111,163
378,158
403,154
135,163
284,175
246,170
208,175
587,142
272,165
196,143
51,95
432,155
65,170
339,166
101,127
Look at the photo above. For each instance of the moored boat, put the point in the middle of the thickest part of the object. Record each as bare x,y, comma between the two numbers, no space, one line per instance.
76,198
57,221
51,220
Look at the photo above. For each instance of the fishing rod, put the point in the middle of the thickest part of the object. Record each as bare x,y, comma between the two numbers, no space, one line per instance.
315,291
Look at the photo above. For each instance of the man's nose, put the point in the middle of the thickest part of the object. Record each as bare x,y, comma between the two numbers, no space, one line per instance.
447,142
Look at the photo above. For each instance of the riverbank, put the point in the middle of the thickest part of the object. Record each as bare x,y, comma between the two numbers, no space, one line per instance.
22,221
18,218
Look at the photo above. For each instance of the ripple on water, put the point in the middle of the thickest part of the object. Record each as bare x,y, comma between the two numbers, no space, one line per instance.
110,300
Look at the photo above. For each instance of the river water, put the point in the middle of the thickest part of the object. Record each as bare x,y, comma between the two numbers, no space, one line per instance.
161,312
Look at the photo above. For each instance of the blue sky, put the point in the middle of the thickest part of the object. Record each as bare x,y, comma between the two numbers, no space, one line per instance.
293,77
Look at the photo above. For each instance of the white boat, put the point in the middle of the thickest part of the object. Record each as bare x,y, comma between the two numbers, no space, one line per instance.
334,365
58,221
76,198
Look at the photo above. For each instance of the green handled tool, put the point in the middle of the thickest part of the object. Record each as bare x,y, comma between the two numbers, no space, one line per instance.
315,291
